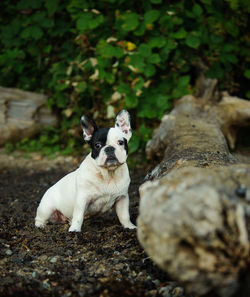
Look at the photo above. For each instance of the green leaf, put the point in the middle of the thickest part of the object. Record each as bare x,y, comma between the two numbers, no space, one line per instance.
171,44
184,81
32,32
37,32
123,88
231,58
247,73
131,101
130,21
232,28
156,1
197,10
24,4
96,22
51,6
61,87
134,143
151,16
147,111
157,42
139,84
162,102
82,86
149,70
193,41
233,4
137,61
83,21
216,71
140,30
110,51
109,77
154,59
144,50
229,47
180,34
145,132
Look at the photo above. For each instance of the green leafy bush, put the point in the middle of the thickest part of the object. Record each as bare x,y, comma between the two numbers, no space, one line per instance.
101,56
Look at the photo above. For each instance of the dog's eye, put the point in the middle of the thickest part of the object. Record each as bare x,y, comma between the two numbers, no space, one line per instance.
120,142
98,145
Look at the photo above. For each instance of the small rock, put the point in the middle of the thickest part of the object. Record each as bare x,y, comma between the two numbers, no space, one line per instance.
165,291
43,258
156,282
152,293
178,291
8,252
34,274
68,253
46,285
54,259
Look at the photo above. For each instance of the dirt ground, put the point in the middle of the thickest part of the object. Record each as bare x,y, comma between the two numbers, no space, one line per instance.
102,260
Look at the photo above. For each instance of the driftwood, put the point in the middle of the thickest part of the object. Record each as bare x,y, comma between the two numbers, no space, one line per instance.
22,114
194,214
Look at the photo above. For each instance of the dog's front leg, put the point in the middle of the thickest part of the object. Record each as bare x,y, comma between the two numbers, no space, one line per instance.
122,210
78,214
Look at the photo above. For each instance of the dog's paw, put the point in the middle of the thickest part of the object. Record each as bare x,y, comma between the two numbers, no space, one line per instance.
74,229
40,225
130,226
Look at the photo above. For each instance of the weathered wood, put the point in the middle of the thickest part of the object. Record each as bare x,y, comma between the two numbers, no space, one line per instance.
195,207
22,114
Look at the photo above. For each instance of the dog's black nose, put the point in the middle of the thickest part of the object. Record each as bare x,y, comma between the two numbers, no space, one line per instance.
109,150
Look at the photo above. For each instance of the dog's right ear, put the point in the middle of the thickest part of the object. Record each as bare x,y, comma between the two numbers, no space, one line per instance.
88,127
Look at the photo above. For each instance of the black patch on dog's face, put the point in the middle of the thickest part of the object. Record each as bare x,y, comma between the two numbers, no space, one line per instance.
125,145
98,141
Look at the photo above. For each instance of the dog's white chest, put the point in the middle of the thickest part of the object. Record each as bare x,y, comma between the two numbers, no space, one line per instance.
101,204
105,195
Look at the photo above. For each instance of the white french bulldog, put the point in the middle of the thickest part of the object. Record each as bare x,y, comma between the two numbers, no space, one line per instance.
101,181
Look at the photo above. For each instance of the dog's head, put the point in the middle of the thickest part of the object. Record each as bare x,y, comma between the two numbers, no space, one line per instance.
109,145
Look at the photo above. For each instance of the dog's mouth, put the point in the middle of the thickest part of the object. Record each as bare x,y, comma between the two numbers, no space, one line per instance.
112,161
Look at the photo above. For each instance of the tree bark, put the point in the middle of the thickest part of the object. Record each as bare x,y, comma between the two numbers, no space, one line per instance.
194,215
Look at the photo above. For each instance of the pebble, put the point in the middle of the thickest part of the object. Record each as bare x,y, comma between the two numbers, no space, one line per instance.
43,258
54,259
46,285
8,252
178,291
34,274
165,291
68,253
151,293
156,282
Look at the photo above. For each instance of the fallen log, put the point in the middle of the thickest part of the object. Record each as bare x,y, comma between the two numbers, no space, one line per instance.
194,215
22,114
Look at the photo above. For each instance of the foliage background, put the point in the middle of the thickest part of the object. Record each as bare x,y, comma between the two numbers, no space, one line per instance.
98,57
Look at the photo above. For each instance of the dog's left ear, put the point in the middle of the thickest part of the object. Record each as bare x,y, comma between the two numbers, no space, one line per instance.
122,122
88,127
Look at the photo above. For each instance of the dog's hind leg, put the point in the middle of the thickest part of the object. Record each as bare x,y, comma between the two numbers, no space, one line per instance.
44,212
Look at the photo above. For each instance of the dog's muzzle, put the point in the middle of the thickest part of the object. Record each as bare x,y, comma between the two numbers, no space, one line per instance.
111,159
